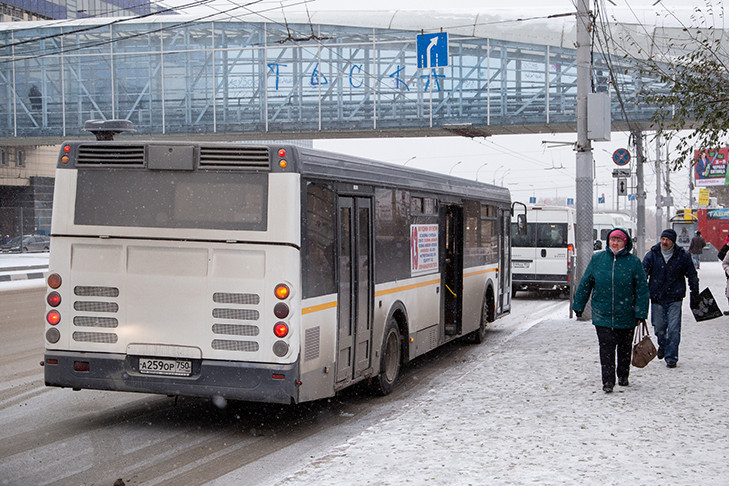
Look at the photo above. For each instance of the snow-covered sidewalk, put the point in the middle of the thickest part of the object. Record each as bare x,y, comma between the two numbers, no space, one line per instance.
532,411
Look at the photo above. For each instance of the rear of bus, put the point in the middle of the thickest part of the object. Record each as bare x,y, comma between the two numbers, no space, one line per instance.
175,269
542,258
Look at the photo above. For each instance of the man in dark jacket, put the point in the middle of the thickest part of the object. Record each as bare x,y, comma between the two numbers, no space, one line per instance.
696,248
667,267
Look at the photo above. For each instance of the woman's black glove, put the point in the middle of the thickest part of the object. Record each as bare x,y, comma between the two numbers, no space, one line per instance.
578,314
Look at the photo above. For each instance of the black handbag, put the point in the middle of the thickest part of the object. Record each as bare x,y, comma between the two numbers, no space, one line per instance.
643,349
705,307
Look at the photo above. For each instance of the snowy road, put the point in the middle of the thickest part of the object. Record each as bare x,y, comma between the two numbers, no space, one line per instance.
58,436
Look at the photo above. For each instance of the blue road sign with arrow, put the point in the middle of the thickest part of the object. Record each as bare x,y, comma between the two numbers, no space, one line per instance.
432,50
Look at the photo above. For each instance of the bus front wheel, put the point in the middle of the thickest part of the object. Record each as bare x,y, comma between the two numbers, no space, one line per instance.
384,382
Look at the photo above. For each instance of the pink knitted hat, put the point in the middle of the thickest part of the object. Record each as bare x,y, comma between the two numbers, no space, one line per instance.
619,234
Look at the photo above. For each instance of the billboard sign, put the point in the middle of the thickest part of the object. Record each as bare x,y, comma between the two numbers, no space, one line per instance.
710,167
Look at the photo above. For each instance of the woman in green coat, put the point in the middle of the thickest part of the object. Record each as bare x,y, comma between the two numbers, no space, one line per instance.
617,282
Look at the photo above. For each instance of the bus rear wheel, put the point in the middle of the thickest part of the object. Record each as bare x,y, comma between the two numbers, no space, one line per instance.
488,314
384,382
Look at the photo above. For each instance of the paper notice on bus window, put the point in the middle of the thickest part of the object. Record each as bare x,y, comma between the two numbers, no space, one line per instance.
423,248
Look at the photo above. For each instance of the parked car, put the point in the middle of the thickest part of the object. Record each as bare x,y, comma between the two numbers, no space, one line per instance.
28,243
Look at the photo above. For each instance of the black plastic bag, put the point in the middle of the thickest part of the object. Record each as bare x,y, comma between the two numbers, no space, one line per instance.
705,307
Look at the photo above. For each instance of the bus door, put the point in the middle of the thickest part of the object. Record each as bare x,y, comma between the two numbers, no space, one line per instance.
451,217
503,230
355,287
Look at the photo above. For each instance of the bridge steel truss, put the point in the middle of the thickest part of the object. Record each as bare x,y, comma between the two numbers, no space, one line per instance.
225,79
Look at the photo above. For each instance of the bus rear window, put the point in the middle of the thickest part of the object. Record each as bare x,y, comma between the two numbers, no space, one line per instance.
540,235
552,235
172,199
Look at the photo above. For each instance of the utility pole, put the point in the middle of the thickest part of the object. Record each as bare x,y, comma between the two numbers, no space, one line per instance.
659,206
640,193
583,172
668,192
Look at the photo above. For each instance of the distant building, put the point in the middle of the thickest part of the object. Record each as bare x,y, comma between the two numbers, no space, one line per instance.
24,10
27,172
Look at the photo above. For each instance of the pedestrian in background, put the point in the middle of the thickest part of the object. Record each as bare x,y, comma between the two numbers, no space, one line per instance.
668,266
696,248
617,282
722,255
725,266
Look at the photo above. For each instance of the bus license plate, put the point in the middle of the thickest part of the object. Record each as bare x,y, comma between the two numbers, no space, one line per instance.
521,264
172,367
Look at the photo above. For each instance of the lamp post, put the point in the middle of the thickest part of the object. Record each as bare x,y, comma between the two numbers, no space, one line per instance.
454,166
411,158
496,174
479,169
504,175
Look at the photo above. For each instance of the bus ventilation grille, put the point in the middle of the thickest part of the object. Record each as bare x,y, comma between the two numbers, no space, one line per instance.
125,155
95,321
95,337
229,345
238,157
312,337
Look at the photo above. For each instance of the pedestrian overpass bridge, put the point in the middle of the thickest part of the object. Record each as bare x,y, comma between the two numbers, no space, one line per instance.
322,76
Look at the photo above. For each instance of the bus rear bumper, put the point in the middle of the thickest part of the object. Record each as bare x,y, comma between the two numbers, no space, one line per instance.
234,380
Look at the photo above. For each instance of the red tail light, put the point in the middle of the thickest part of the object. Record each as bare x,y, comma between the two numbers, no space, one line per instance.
53,317
81,366
54,299
281,329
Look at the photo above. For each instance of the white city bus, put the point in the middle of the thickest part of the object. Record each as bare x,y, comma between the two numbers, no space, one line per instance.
266,273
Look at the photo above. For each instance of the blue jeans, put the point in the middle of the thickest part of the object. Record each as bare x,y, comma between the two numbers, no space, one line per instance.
666,320
696,257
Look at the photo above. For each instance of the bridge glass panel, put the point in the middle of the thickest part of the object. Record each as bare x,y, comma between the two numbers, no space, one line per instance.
172,77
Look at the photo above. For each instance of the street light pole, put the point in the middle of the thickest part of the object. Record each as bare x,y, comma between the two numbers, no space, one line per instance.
504,175
454,166
479,169
496,174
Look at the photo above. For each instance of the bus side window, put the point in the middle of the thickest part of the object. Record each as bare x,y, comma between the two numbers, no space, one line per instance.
319,233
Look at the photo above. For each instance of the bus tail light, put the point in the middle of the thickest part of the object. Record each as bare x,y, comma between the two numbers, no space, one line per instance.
80,366
53,335
281,310
281,329
282,291
54,280
280,348
54,299
53,317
